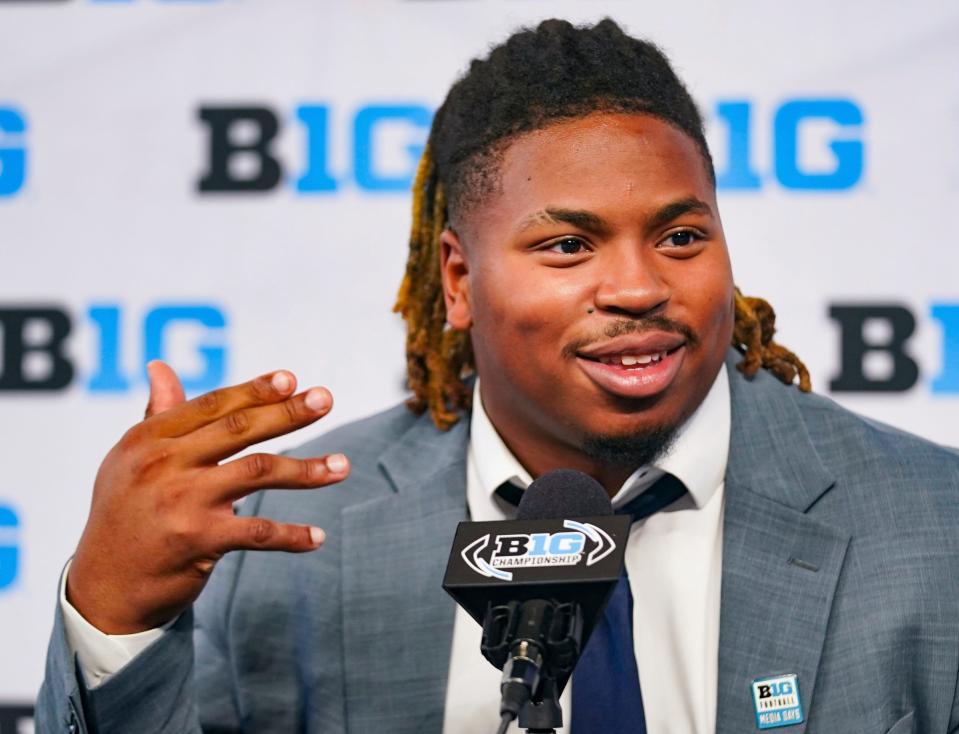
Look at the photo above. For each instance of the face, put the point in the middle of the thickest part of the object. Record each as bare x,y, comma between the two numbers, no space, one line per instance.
596,286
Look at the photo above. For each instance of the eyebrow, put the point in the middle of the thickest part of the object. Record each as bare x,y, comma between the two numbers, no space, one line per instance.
592,222
665,214
579,218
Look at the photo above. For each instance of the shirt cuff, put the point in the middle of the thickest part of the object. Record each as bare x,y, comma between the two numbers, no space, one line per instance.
100,655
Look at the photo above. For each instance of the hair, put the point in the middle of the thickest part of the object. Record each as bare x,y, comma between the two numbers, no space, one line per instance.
536,78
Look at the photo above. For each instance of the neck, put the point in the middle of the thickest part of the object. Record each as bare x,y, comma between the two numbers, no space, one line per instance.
538,462
539,451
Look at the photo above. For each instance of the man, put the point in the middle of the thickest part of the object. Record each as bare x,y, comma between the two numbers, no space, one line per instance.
567,250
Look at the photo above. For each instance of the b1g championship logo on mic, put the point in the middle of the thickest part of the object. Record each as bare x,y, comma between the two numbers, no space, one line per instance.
582,542
512,553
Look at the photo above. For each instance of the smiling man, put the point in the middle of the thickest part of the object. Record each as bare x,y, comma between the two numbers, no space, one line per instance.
600,313
570,303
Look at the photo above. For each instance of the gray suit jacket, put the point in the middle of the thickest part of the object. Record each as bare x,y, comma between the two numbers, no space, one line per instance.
840,564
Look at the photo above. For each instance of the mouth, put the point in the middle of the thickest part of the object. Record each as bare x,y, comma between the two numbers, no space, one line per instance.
634,371
633,361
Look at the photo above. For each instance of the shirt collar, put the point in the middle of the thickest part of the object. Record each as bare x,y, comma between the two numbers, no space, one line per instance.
698,455
495,463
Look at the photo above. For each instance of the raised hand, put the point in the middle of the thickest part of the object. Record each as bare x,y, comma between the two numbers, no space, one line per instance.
162,511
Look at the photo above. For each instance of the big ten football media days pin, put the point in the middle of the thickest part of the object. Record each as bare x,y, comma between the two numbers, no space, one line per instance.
776,699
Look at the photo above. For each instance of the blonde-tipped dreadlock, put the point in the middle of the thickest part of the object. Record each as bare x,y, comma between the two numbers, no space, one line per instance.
436,357
753,335
538,76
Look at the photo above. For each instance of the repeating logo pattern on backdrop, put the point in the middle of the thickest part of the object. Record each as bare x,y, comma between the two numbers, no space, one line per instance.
241,157
265,172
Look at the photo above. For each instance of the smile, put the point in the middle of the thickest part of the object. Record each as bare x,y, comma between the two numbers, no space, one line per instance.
638,370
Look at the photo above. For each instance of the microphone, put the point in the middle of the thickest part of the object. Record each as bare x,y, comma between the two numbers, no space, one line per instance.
537,585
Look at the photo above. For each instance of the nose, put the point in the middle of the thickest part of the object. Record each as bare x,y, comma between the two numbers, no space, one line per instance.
629,282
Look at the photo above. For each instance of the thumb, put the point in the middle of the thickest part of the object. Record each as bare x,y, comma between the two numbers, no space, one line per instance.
165,388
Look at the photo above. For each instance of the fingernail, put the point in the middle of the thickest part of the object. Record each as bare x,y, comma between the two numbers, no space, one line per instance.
317,400
282,382
337,463
317,535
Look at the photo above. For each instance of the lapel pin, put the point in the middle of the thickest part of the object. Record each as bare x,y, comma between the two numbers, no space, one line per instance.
776,700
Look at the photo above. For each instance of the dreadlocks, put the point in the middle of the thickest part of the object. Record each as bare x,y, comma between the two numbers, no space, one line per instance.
537,77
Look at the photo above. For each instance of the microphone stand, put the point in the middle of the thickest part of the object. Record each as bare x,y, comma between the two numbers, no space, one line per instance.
543,716
535,643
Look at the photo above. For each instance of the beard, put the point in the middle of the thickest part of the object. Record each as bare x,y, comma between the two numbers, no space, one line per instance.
630,451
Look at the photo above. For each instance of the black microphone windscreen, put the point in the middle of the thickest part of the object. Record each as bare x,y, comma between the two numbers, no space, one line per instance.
564,493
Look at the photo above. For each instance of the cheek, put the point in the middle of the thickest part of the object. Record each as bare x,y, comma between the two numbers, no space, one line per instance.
518,302
709,286
712,298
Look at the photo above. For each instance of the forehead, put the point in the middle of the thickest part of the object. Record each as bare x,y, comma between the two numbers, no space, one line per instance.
598,162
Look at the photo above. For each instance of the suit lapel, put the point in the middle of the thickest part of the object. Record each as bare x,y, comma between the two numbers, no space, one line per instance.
780,565
397,620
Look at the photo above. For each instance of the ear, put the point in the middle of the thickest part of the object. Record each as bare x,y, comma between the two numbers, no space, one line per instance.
454,269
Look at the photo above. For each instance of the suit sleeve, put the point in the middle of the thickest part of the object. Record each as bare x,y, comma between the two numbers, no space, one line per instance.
180,684
153,693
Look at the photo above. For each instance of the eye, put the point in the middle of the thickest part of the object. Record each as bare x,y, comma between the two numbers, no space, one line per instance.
568,246
683,238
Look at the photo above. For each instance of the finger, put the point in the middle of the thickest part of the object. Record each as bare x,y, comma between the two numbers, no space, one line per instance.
209,407
236,479
247,426
165,389
260,533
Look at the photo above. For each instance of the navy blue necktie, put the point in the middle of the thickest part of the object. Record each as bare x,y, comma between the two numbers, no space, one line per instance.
606,693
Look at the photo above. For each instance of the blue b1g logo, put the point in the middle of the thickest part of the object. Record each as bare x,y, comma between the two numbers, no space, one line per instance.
13,154
539,545
9,546
776,701
788,166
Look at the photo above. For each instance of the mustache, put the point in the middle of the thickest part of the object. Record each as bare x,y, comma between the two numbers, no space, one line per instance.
619,327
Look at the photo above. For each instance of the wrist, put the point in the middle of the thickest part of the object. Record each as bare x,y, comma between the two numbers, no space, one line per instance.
96,603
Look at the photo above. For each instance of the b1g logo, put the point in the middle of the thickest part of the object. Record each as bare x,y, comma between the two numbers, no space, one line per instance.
874,348
35,340
386,143
776,701
9,546
816,145
13,152
584,543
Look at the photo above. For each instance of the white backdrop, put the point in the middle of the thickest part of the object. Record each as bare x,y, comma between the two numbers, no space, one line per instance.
837,190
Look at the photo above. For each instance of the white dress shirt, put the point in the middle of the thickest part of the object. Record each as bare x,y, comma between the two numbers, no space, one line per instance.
674,561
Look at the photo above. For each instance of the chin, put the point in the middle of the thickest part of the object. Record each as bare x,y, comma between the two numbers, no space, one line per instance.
630,450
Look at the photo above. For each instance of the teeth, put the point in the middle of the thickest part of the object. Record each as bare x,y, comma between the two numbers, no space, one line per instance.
630,360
